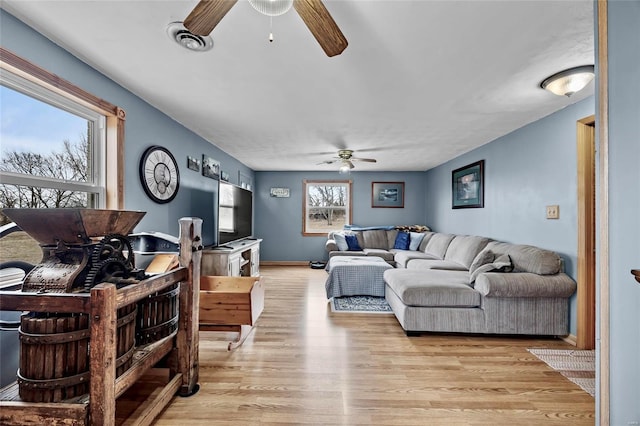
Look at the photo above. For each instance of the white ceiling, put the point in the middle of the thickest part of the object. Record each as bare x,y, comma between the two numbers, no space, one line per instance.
420,83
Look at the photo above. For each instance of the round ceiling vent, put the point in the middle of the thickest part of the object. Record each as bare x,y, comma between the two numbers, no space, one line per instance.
178,33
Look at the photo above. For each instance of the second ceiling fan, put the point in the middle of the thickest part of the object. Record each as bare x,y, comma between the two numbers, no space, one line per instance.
208,13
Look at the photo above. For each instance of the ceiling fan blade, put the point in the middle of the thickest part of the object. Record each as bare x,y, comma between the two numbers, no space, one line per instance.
206,15
317,18
367,160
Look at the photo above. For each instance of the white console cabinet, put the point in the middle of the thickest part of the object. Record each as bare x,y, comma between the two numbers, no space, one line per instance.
237,259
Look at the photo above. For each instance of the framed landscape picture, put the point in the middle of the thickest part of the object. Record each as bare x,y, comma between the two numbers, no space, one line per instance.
387,194
467,186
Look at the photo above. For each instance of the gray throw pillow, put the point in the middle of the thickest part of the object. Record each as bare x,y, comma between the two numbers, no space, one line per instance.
484,257
500,264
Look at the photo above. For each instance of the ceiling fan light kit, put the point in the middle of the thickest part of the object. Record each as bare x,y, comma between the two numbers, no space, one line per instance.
272,7
569,81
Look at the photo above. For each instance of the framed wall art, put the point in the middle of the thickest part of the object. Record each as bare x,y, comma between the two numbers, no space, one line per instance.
210,167
467,186
387,194
193,163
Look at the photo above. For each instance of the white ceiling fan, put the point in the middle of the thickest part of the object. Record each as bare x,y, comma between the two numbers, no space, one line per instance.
345,158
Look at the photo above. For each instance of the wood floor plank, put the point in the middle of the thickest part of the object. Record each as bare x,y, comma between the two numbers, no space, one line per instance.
306,365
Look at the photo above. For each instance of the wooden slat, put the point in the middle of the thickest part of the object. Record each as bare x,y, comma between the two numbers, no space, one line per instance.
14,413
187,340
133,293
153,405
44,302
144,359
103,355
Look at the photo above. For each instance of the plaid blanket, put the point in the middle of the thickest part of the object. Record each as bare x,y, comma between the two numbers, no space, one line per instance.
356,275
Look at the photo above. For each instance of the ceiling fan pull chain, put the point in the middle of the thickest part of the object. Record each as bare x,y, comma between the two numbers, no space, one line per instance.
271,29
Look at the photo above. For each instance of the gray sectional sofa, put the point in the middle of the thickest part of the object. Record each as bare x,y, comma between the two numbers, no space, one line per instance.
469,284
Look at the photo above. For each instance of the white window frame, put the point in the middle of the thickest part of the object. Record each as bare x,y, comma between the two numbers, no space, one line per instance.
308,230
95,187
108,159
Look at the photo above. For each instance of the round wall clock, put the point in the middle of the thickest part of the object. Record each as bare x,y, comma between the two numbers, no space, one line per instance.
159,174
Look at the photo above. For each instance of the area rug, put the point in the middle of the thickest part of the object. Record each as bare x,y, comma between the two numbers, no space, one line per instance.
360,305
577,366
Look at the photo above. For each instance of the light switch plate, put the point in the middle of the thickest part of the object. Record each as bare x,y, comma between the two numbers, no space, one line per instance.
553,212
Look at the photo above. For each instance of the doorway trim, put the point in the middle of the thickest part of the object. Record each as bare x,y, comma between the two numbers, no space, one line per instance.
586,277
602,124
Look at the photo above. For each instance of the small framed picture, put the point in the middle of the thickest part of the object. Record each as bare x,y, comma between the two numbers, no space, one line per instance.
387,194
467,186
193,163
210,167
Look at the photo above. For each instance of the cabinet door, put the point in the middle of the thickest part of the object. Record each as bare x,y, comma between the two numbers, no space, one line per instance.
234,264
255,261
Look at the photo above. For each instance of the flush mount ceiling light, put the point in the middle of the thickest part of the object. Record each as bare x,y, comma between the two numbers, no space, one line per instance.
570,81
178,33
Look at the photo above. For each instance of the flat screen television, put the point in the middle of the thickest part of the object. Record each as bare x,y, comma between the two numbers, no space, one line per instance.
235,213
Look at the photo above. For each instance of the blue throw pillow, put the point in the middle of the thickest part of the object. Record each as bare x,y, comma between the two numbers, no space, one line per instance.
415,240
352,243
402,241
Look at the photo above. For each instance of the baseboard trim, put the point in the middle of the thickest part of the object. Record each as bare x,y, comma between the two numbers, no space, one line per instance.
570,339
284,263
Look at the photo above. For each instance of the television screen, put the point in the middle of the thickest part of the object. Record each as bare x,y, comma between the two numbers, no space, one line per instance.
235,213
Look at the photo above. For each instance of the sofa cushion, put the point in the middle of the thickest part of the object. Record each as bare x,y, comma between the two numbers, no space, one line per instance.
375,239
402,241
527,258
352,243
402,257
385,254
437,245
391,237
432,288
464,248
415,238
425,241
426,264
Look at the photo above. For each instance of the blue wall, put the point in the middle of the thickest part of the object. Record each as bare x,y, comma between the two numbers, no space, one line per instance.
279,220
624,210
145,126
525,171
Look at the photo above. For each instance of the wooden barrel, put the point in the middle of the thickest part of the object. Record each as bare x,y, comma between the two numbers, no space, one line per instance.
157,315
54,353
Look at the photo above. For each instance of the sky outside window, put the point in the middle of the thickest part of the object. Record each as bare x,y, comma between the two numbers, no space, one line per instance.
30,125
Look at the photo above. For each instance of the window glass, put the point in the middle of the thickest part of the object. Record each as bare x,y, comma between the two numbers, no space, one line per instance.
327,206
51,149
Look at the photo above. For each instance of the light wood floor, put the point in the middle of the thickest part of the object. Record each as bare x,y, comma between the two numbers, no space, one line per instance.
304,364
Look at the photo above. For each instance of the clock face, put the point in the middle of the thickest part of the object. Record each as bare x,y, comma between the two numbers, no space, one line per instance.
159,174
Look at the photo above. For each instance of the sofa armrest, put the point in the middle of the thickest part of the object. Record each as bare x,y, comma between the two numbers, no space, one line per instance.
524,284
331,245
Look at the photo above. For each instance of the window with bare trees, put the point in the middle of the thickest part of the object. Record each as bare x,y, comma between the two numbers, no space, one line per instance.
327,206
